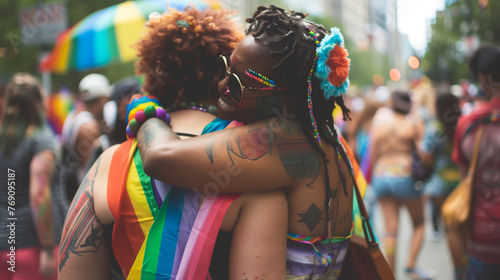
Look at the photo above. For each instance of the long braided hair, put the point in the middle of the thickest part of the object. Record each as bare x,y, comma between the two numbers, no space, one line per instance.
286,35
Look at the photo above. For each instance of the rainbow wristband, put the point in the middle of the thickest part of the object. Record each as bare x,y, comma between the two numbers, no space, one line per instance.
141,109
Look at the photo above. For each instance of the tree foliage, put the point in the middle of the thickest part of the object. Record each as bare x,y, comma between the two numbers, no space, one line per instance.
452,31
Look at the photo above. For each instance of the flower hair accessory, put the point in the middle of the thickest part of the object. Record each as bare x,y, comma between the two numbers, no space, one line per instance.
332,68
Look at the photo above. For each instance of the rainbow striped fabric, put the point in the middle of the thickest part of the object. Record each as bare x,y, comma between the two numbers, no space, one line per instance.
132,202
159,224
183,248
362,185
105,37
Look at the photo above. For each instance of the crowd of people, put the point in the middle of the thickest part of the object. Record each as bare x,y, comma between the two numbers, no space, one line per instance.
227,161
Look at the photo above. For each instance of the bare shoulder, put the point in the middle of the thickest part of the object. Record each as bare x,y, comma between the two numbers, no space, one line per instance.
101,187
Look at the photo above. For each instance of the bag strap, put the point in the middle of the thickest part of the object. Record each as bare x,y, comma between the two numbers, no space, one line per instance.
475,154
367,228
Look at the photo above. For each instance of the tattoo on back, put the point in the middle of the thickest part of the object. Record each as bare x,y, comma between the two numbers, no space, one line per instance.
299,160
311,217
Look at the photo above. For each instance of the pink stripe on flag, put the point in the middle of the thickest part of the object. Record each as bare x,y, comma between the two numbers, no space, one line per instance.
199,248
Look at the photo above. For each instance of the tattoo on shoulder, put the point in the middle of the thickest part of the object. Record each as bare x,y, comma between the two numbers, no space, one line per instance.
311,217
83,232
88,180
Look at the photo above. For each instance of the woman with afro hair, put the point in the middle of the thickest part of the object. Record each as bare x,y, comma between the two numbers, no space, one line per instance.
160,231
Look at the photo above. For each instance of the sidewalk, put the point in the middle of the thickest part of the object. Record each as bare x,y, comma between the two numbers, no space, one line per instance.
434,256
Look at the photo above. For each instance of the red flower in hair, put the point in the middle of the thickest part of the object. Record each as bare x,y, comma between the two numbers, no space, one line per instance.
339,65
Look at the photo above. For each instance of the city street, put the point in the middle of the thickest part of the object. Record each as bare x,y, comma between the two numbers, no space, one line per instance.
434,256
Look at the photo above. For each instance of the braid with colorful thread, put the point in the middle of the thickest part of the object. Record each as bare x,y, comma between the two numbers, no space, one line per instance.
309,91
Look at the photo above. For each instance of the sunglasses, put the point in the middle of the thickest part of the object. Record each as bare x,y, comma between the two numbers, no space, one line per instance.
235,87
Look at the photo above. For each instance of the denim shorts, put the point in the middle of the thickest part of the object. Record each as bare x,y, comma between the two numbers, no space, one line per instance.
396,187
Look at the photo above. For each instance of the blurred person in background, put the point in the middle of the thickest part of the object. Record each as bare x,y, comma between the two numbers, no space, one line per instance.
114,116
424,97
435,150
360,140
483,234
27,163
394,137
81,128
361,124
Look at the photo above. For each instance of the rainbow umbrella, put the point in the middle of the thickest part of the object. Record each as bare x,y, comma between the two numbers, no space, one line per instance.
105,36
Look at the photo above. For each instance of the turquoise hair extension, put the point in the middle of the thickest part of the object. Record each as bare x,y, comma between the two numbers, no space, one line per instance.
322,70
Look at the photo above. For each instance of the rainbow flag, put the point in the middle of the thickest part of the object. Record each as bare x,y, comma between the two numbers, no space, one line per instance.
183,249
58,107
159,232
132,202
362,185
338,118
105,36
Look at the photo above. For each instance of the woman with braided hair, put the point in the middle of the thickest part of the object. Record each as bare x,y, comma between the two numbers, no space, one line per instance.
282,82
160,231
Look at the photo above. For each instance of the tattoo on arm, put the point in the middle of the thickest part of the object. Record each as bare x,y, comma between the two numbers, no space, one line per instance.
311,217
44,222
83,232
250,145
209,149
148,132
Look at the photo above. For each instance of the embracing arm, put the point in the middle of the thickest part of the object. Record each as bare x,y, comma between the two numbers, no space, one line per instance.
83,252
262,156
